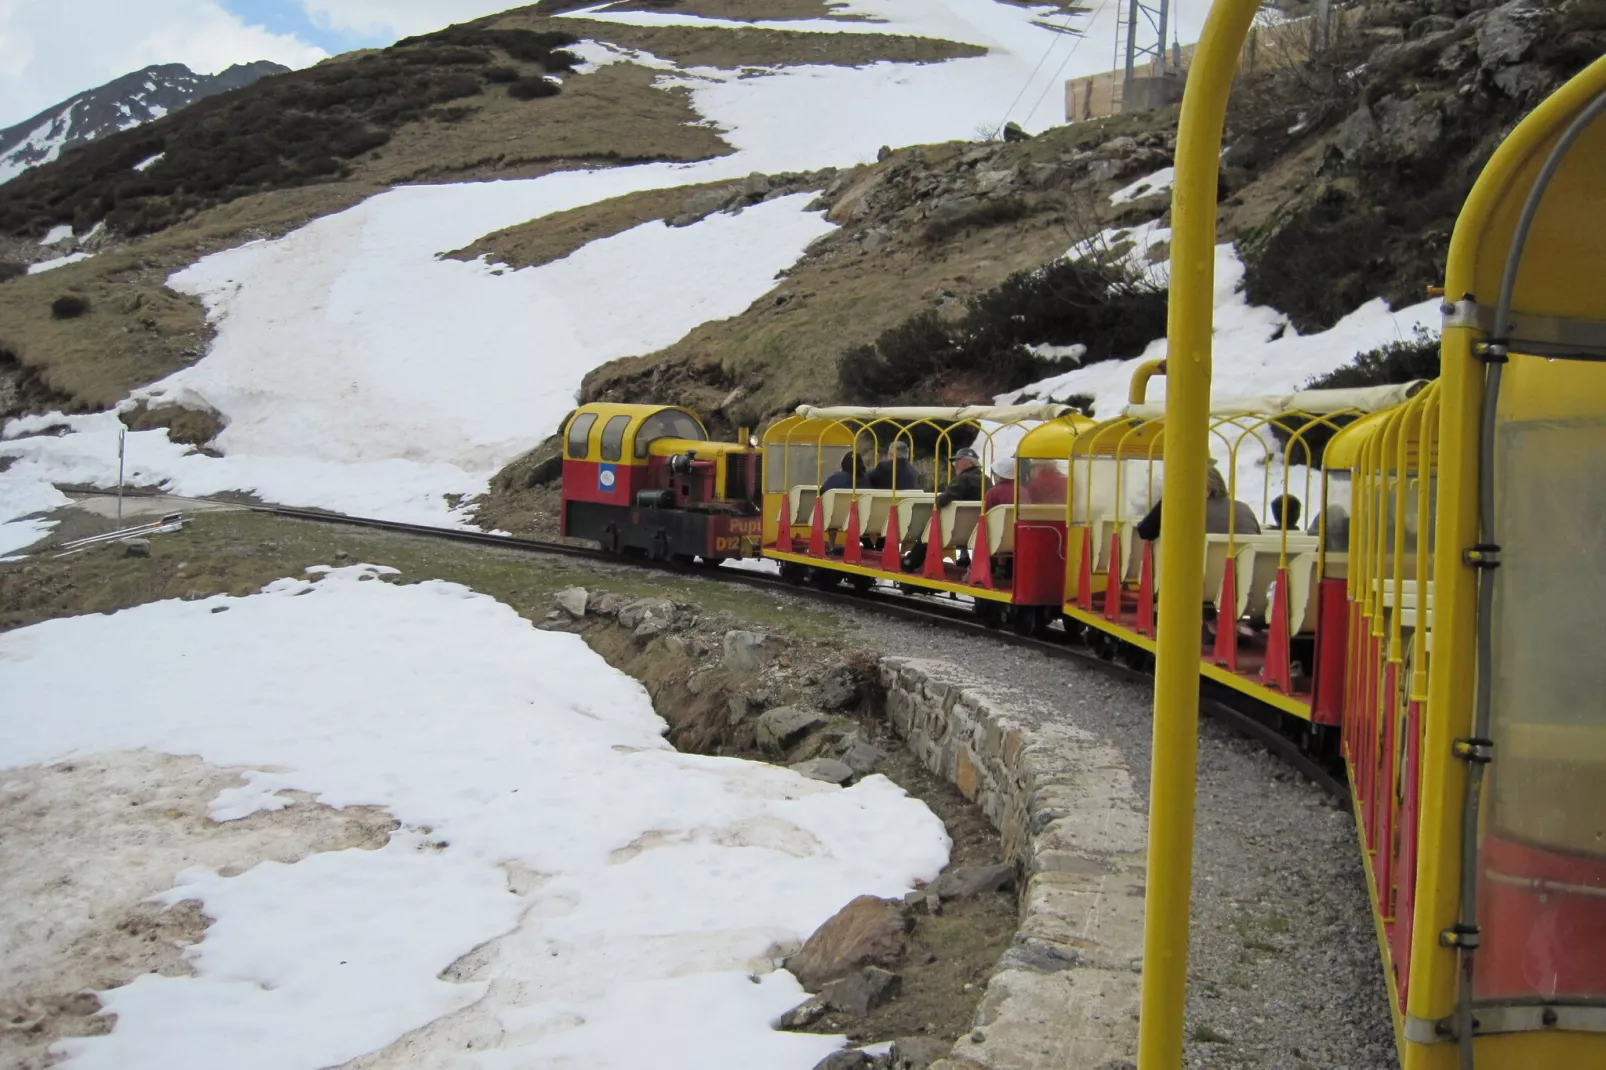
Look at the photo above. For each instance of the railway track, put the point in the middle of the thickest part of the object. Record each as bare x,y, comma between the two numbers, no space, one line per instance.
1225,706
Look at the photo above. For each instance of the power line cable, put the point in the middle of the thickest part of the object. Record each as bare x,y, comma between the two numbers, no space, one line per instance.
1052,45
1066,61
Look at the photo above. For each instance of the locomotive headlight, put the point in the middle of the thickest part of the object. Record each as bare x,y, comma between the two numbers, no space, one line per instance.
680,463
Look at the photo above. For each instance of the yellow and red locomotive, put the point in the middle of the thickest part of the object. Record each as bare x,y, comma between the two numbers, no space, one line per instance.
645,480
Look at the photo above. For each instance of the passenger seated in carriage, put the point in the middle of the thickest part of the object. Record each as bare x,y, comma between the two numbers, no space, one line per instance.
894,473
852,469
1221,512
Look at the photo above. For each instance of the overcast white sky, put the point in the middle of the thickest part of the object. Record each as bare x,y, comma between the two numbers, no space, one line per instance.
51,49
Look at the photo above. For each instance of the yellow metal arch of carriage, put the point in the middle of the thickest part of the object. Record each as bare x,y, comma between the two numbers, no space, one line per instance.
1474,724
1263,585
858,532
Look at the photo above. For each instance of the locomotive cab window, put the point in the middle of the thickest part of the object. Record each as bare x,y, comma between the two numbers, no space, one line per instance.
670,423
580,434
613,438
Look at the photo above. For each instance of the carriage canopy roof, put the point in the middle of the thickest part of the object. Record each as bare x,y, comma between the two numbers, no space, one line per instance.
1002,414
1364,399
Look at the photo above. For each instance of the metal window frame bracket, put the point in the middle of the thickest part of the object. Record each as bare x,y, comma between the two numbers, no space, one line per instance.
1492,1019
1555,337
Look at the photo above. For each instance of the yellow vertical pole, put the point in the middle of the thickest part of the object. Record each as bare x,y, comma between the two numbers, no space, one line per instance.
1176,677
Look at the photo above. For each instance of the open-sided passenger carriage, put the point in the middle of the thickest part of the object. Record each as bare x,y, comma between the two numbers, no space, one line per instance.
1009,559
1275,595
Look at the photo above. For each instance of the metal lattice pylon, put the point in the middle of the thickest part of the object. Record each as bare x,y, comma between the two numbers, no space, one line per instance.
1140,36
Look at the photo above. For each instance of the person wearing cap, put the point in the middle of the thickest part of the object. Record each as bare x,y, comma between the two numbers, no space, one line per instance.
966,485
1003,488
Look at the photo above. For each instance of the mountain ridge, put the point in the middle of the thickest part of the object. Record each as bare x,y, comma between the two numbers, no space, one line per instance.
123,103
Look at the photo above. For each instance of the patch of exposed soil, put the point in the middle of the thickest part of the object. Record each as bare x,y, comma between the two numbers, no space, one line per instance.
193,427
705,46
86,843
553,237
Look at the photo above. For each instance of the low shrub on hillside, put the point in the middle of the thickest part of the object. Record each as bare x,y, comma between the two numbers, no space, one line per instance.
12,269
532,88
69,307
986,214
1102,306
285,131
1400,361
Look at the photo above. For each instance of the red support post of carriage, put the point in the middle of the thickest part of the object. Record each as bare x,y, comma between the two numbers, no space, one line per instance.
1112,579
1278,672
1226,651
981,561
853,549
891,547
1405,870
1145,622
1383,792
1084,584
817,529
933,567
783,533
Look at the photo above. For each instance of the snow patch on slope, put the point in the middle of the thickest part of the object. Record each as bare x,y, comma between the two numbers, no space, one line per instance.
654,882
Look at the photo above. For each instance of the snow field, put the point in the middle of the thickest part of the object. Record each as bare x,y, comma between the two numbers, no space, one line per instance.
622,896
358,372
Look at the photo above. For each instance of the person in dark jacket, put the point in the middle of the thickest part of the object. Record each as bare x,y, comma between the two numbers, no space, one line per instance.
965,486
1218,509
844,479
894,473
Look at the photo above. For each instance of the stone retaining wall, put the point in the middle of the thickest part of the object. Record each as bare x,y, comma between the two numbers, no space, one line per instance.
1065,995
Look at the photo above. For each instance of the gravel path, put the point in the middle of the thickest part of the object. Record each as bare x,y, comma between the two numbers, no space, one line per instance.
1284,969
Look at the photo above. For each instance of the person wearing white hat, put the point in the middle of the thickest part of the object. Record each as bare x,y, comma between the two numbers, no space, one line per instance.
1003,488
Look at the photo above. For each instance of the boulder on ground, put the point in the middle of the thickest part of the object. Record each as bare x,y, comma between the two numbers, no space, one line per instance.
136,547
634,614
804,1014
756,185
862,991
863,758
917,1053
741,650
841,687
846,1059
827,769
869,931
783,726
572,601
963,882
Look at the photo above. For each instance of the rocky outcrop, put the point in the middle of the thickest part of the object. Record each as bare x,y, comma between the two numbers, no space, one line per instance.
867,932
1375,146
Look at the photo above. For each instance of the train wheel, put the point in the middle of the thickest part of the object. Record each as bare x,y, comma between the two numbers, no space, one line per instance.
989,613
682,559
862,584
793,573
1025,620
823,578
1135,657
1101,644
